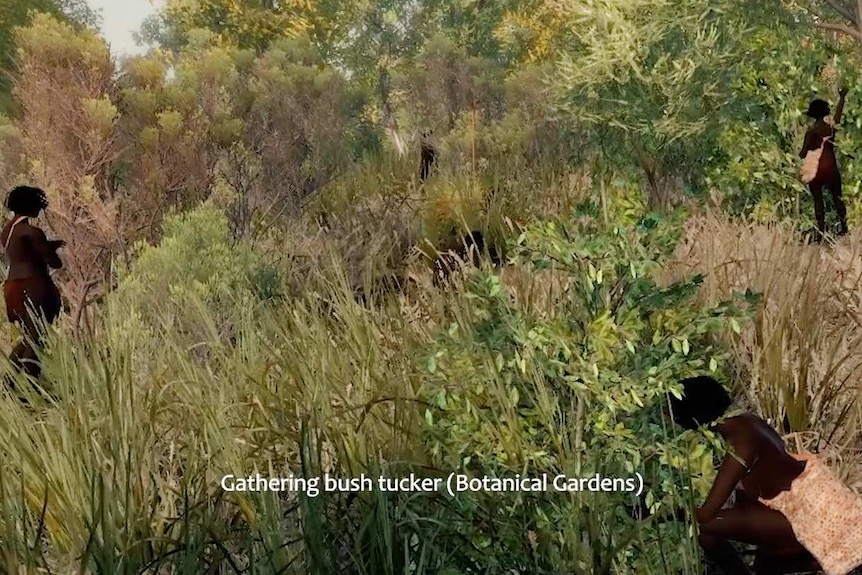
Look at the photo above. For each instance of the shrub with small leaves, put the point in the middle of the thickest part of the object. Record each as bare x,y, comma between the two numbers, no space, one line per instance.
196,262
577,388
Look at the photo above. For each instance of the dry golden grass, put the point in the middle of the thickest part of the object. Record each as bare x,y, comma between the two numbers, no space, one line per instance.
799,362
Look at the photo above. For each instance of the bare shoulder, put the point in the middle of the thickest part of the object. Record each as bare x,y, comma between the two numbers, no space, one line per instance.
812,133
752,437
749,426
748,421
30,230
742,419
758,430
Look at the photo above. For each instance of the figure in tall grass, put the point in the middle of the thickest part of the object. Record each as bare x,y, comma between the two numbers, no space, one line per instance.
428,156
788,505
29,291
820,168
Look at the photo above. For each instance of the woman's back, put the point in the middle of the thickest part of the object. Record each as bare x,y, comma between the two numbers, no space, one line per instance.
819,132
27,250
772,469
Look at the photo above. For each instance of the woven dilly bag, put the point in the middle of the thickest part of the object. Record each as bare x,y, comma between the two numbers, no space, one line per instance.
811,163
825,514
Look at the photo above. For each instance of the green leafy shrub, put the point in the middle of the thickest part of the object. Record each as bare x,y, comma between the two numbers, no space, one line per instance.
197,262
576,388
649,82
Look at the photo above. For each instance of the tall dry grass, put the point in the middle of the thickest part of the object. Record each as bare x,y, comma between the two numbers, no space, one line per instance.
121,472
799,361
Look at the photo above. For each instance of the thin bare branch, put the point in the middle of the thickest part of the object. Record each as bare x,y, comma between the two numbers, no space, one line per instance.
82,305
844,10
843,28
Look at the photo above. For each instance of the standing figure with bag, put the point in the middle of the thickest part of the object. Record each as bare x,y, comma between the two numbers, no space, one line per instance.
820,168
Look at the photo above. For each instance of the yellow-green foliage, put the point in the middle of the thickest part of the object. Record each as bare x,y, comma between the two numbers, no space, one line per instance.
248,23
194,364
195,262
52,41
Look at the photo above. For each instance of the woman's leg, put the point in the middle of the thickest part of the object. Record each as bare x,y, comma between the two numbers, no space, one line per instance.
24,354
35,303
722,553
816,188
752,523
835,188
24,358
16,305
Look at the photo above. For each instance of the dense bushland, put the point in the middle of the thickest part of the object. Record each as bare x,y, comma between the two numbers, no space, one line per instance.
252,276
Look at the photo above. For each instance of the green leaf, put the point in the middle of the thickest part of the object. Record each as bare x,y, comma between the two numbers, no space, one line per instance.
441,399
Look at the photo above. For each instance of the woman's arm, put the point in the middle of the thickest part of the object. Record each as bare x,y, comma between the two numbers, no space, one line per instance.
46,250
806,145
839,109
730,473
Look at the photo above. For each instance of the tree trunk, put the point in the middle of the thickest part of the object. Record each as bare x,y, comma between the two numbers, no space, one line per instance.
390,124
648,165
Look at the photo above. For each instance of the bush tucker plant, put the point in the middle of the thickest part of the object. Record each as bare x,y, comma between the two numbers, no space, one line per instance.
576,388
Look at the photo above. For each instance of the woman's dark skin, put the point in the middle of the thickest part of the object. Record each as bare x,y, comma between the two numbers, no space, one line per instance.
428,157
768,470
30,254
828,175
31,257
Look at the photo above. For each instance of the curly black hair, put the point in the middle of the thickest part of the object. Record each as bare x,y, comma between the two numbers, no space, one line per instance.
26,201
704,400
818,109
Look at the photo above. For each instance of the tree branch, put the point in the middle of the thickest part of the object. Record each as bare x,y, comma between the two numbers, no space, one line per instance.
843,28
82,305
843,10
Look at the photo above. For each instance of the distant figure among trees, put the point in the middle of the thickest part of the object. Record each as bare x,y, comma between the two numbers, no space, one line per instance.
820,168
790,506
29,291
429,156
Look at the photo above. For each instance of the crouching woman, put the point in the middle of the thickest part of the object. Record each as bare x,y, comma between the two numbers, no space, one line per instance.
787,505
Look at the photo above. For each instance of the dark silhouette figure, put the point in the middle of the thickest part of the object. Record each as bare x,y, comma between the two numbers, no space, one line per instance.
383,287
828,175
429,156
778,496
29,291
470,250
491,198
